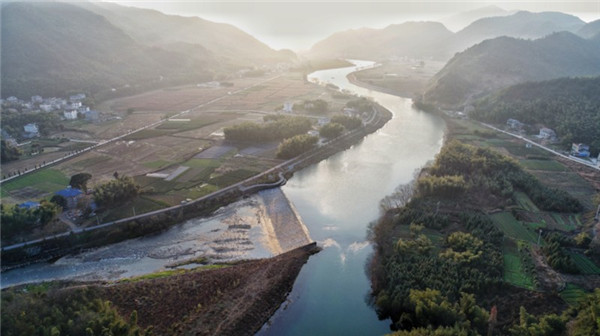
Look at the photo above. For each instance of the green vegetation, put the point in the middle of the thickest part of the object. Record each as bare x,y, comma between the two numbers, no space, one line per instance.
80,181
361,105
467,74
41,310
9,153
572,294
119,190
47,179
18,221
479,254
513,228
295,146
13,122
331,130
584,265
549,165
567,105
282,128
350,123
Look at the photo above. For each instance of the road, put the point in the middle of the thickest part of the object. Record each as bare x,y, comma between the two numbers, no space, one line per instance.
105,142
591,165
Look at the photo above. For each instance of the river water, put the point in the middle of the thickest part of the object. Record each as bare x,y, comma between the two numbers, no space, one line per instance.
337,199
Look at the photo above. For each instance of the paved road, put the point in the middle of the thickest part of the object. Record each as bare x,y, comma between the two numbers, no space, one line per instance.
591,165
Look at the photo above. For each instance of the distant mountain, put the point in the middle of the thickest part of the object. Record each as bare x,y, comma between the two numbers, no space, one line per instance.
461,20
431,39
412,39
521,24
590,29
45,53
154,28
504,61
570,106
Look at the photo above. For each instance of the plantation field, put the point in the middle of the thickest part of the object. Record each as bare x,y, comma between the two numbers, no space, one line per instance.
572,294
525,202
513,228
140,205
548,165
584,264
562,223
513,267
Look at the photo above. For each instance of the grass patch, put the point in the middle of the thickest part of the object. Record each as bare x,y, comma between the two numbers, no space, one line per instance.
89,162
49,180
156,164
181,126
548,165
232,177
513,267
572,294
562,224
584,264
156,275
513,228
525,202
202,163
140,204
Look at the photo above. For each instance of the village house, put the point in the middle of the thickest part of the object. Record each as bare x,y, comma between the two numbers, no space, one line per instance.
77,97
31,130
71,195
37,99
547,133
46,107
580,150
514,124
70,114
288,107
29,205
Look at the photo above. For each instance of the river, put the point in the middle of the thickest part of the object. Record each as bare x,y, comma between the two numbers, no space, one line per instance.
337,199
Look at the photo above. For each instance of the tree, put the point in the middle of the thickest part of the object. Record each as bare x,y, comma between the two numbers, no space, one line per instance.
331,130
295,146
80,180
59,200
9,153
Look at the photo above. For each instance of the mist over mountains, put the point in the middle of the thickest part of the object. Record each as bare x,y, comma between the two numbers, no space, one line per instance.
104,46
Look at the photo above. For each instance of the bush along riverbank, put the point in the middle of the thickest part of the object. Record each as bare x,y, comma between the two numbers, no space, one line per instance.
158,221
462,258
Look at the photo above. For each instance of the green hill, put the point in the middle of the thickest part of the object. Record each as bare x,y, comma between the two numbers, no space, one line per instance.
570,106
590,30
45,53
502,62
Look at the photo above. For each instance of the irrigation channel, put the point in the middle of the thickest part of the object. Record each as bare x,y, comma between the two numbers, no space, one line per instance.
337,199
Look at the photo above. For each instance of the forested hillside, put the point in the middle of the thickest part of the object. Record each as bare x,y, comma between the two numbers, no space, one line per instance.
504,61
570,106
44,53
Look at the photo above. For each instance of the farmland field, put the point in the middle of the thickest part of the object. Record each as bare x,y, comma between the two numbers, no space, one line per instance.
548,165
513,228
585,265
572,294
525,202
513,267
47,180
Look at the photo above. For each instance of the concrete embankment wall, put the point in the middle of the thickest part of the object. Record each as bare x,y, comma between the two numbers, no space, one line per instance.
286,223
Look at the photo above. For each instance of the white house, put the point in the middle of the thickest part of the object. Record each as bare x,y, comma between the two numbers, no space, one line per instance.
46,107
37,99
31,129
288,107
77,97
514,124
547,133
70,114
323,121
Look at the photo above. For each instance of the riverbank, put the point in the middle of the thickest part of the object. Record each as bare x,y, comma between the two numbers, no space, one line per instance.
235,299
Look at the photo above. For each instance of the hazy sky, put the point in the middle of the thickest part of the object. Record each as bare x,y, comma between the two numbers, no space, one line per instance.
298,25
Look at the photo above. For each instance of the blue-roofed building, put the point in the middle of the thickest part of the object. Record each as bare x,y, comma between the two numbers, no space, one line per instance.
29,205
71,195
